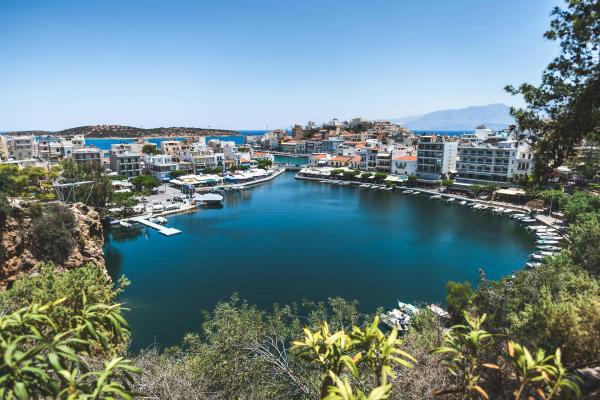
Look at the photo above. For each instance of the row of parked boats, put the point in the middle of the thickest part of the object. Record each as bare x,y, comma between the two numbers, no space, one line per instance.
401,317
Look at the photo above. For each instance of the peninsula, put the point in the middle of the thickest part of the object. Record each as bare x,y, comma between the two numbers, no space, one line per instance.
122,131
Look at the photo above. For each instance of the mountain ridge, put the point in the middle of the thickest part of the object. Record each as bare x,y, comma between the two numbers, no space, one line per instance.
493,116
124,131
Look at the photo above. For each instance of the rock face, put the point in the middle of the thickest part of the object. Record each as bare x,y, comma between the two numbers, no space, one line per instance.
16,257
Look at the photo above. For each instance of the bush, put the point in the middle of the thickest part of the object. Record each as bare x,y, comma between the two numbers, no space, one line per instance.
458,297
380,176
178,173
52,234
585,243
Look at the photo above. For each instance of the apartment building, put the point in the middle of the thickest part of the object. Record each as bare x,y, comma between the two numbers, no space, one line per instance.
436,157
484,163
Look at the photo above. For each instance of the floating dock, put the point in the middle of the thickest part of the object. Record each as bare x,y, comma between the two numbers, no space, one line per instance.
161,229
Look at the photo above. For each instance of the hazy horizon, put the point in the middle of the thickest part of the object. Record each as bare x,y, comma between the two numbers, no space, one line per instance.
244,66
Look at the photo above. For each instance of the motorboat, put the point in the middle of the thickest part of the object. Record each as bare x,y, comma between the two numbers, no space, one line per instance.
545,241
451,200
435,197
407,308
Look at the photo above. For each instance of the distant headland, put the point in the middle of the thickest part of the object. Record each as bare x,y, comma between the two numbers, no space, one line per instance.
122,131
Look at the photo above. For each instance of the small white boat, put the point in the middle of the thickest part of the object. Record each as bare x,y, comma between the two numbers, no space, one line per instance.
408,191
439,311
451,200
407,308
545,241
549,248
462,203
435,197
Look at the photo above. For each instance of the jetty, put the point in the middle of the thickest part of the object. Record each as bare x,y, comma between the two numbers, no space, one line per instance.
161,229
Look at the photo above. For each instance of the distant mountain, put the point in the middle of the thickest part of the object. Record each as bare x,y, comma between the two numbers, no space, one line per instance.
121,131
493,116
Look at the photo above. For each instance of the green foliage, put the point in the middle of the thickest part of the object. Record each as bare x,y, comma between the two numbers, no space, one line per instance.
553,198
98,193
412,178
23,182
380,176
351,174
458,297
580,203
541,374
144,183
447,182
338,352
462,349
337,171
48,284
209,170
43,359
557,305
585,243
564,110
150,149
52,234
177,173
538,376
264,164
5,208
366,175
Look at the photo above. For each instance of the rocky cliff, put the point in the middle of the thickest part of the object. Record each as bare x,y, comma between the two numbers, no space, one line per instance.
16,243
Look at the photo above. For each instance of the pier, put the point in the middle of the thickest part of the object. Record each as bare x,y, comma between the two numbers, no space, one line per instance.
161,229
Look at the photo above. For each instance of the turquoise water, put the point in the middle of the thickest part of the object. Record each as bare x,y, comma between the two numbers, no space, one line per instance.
105,144
287,240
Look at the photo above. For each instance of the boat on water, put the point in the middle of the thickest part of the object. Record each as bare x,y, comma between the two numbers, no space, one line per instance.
532,265
158,220
537,256
549,248
451,200
546,241
435,197
409,191
462,203
439,311
407,308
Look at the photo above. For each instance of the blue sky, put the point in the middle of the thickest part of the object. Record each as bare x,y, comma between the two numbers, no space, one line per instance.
249,64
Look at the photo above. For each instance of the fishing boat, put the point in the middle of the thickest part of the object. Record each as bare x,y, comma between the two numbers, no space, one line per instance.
451,200
435,197
407,308
549,248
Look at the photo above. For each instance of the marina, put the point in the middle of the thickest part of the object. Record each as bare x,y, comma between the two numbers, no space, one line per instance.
373,245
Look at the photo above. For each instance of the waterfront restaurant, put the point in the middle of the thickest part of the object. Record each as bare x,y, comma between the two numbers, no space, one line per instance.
202,180
246,176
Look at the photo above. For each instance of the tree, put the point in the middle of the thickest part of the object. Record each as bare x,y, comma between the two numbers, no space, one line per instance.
144,183
458,297
177,173
150,149
564,110
365,175
447,182
264,164
380,176
585,239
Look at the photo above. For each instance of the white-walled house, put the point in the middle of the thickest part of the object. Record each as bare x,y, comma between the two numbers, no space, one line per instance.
404,165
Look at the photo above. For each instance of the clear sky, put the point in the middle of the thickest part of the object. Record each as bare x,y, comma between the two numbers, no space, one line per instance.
249,64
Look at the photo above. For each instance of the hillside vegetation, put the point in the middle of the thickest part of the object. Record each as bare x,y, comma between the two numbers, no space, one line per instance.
121,131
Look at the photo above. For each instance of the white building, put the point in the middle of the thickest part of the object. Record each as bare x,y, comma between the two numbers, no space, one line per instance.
160,166
125,160
87,155
404,165
21,147
436,157
487,163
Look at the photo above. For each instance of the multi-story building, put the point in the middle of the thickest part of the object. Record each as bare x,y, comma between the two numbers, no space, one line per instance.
124,160
87,155
21,147
160,166
3,148
368,158
436,157
404,165
331,144
383,162
487,163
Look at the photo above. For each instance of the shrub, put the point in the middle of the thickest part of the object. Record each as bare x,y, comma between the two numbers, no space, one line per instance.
52,234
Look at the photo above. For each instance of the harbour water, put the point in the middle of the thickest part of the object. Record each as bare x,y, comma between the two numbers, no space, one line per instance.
287,240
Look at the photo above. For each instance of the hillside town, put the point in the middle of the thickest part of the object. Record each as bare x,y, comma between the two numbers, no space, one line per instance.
480,157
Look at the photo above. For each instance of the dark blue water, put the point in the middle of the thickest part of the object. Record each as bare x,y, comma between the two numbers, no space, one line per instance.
288,240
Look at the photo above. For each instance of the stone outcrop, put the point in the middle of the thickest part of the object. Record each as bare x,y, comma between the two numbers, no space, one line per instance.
16,257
